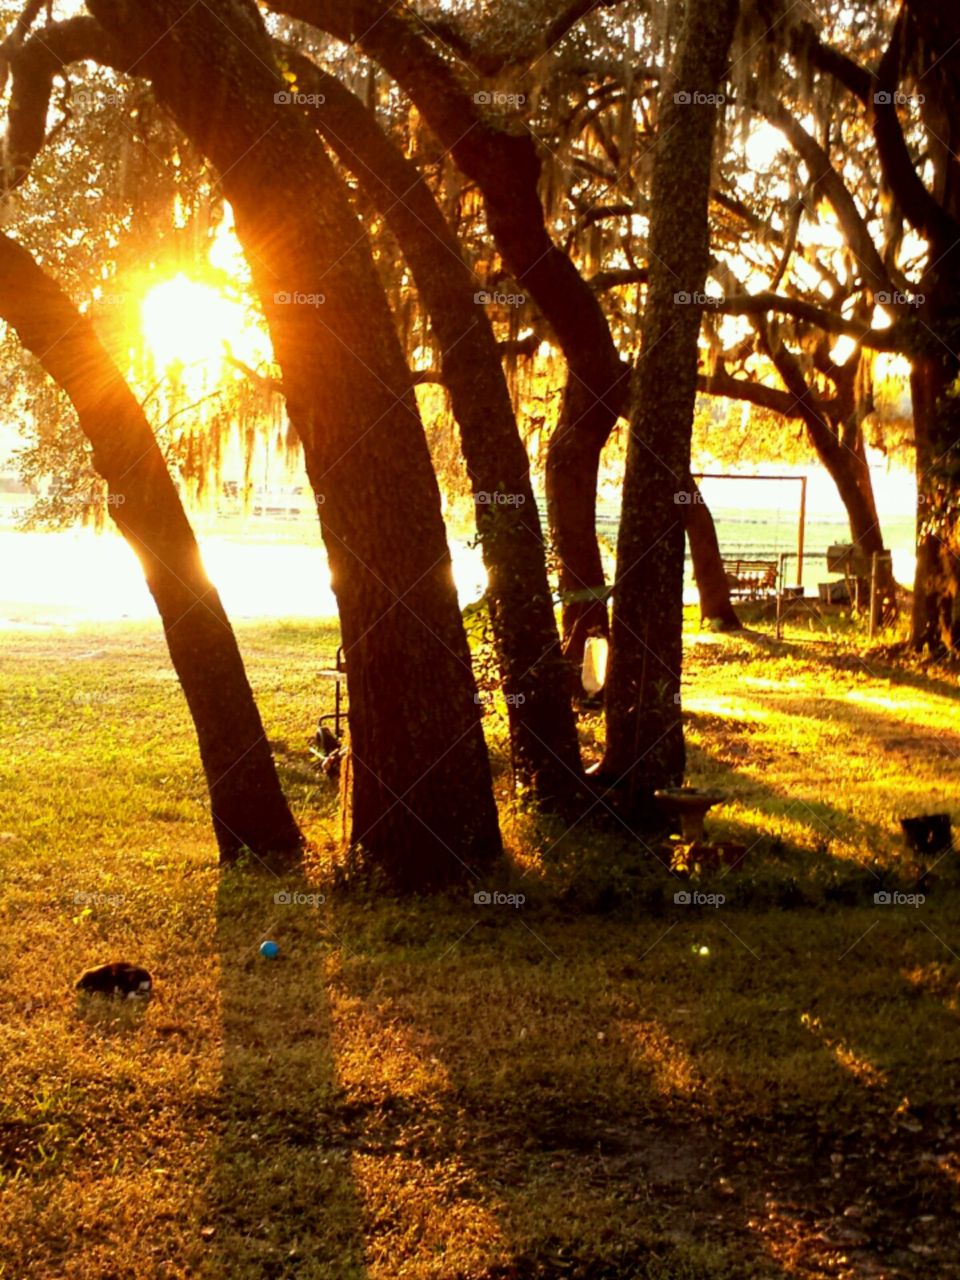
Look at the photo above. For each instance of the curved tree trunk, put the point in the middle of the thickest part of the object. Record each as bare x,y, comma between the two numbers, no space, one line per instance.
571,474
506,168
715,605
534,676
422,801
840,447
848,468
248,806
645,746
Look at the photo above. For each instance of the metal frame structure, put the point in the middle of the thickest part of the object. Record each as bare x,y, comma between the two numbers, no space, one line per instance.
802,515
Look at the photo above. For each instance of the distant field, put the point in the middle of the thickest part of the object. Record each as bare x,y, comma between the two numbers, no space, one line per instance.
272,565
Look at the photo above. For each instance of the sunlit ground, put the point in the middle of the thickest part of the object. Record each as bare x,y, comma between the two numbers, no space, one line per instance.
598,1084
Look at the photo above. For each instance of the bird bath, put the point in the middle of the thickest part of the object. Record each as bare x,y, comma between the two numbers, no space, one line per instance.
690,805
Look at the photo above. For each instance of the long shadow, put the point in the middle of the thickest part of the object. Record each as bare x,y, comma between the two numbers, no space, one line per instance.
564,1165
282,1200
873,721
825,820
872,662
558,1130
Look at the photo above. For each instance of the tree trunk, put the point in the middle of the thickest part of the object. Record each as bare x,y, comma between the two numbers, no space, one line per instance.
839,446
936,596
847,464
534,676
506,168
422,805
571,475
588,414
715,604
248,806
645,747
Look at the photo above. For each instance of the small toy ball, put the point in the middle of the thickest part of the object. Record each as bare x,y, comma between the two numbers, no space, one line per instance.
269,949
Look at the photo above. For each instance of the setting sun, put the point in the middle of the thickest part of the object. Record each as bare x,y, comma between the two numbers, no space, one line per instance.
192,324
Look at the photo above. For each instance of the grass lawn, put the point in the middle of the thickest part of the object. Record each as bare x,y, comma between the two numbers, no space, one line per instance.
597,1083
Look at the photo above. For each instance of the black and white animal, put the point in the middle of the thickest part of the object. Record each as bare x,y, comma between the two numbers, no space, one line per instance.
118,979
327,750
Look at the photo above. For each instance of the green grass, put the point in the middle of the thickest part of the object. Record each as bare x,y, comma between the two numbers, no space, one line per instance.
598,1083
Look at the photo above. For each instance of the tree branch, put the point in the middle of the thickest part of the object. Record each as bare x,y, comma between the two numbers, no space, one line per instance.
724,384
34,65
920,208
825,179
753,304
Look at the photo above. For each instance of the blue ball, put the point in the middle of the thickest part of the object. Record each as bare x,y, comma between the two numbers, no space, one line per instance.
270,950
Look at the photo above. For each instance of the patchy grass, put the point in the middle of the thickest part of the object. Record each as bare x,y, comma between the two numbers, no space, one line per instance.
596,1083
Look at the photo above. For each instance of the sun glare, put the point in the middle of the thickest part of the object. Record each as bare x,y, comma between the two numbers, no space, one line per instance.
191,324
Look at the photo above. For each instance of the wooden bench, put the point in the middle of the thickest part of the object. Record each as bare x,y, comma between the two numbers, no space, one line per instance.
751,579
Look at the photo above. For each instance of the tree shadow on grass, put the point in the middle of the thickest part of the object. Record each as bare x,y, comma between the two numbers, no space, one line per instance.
886,744
873,663
601,1104
536,1153
826,821
283,1200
